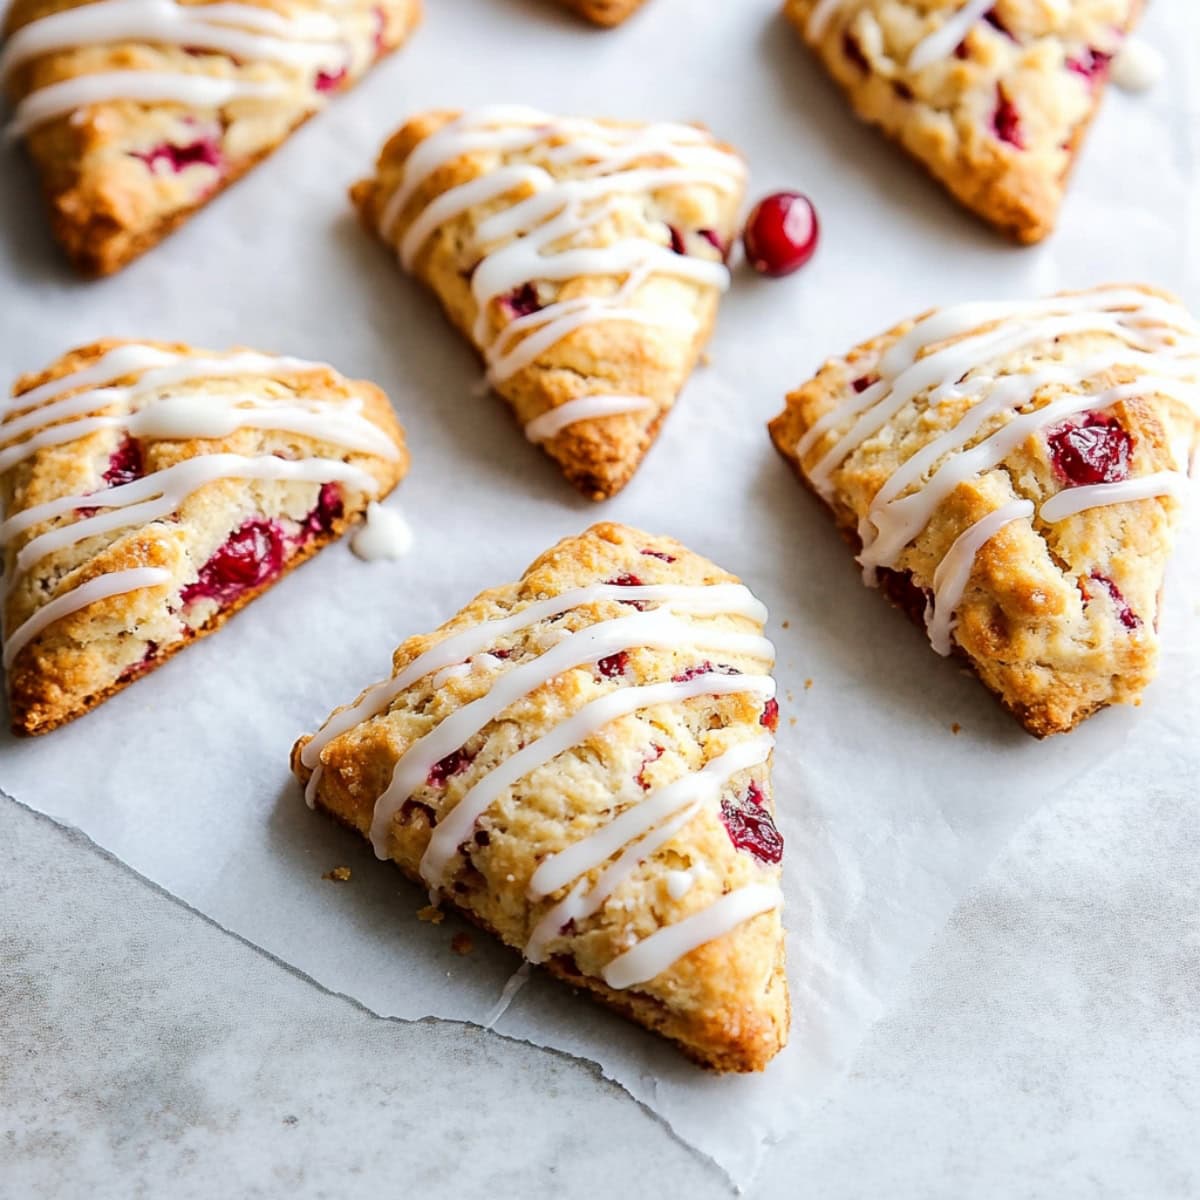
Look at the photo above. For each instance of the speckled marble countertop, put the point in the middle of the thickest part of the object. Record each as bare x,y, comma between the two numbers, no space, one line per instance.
1049,1046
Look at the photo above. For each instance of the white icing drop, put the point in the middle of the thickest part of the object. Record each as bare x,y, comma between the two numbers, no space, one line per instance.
1138,66
653,955
585,408
679,883
385,534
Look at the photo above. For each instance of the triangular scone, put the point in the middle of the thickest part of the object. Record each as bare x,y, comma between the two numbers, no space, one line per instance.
579,762
584,260
137,112
993,97
1013,473
604,12
151,490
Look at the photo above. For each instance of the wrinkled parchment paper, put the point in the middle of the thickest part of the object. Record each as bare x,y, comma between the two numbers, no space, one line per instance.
889,816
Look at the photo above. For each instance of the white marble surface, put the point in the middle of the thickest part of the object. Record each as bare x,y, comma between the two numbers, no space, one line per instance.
1049,1046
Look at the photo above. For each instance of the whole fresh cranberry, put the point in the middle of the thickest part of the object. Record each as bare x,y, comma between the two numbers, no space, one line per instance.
781,233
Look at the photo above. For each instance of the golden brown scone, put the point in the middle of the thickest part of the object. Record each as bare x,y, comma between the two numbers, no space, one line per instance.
604,12
152,489
137,112
583,259
1012,473
579,762
993,99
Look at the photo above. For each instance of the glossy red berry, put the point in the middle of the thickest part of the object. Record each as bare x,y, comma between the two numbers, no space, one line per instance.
781,233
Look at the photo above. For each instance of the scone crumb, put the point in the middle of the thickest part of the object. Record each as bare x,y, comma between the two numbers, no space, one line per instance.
461,943
337,875
808,685
786,625
432,914
956,728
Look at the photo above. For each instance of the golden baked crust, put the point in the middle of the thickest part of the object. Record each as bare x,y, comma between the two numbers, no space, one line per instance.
653,187
604,12
541,663
999,119
119,173
127,412
1027,407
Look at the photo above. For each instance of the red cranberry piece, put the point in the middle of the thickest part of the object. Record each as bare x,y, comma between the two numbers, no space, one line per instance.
863,382
250,556
1092,64
614,665
1097,451
1125,614
455,763
781,233
628,580
522,302
1006,121
755,795
678,245
751,827
715,240
143,664
329,508
656,752
125,464
328,81
704,668
667,558
770,715
205,151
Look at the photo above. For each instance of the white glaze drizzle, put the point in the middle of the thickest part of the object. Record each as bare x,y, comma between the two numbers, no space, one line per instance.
1160,341
554,213
658,629
942,41
730,598
583,408
245,31
654,954
114,583
637,833
159,494
144,87
170,416
516,981
385,534
953,572
1071,501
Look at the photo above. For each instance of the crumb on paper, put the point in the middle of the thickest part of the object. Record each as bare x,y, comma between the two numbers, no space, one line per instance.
461,943
956,728
791,720
337,875
787,625
808,685
291,1120
705,359
432,914
790,696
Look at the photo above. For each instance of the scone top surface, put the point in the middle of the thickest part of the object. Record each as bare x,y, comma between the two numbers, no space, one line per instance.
151,489
994,99
136,112
583,258
1016,471
579,761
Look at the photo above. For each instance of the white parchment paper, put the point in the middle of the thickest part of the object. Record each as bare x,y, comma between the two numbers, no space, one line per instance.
889,815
